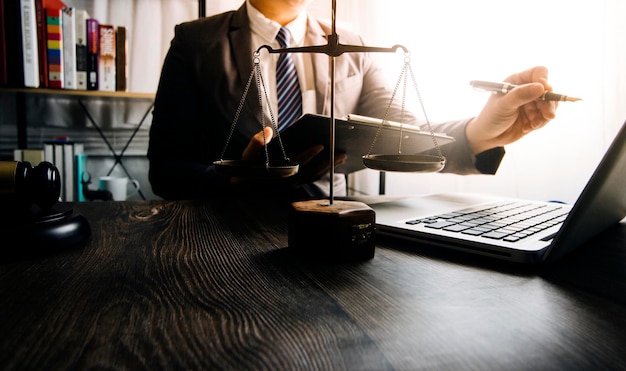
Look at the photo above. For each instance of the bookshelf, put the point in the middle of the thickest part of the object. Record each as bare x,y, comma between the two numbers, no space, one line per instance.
110,139
81,100
81,93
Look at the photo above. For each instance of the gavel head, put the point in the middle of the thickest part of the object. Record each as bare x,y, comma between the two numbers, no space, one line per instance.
22,183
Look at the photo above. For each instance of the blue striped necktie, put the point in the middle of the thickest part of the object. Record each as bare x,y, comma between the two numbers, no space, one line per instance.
287,86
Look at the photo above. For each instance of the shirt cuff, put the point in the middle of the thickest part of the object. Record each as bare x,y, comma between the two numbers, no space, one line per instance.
488,162
459,156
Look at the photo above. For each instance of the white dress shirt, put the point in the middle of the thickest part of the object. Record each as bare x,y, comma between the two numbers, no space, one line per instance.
264,31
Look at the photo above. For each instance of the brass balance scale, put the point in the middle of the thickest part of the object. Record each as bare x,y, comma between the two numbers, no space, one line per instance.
349,224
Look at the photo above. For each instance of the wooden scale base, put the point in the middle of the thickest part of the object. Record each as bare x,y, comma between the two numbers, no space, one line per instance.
339,232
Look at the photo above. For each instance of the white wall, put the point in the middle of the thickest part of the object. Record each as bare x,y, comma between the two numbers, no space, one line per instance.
150,28
582,42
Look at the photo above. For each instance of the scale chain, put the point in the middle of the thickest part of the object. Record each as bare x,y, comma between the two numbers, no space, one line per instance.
262,93
406,70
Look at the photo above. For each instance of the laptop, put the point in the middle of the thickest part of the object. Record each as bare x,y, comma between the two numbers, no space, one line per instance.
522,231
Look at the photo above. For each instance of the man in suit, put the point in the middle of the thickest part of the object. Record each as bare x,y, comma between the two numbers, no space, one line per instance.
207,68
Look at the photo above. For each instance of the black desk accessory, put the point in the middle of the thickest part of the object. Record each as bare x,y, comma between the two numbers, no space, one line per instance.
321,227
339,232
32,223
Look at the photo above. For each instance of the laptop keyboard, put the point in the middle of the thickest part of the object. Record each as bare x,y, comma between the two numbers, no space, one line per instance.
510,221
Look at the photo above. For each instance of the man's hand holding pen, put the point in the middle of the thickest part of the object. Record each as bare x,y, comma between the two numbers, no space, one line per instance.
506,87
508,116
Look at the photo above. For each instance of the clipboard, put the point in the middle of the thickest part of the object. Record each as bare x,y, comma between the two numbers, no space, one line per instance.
354,136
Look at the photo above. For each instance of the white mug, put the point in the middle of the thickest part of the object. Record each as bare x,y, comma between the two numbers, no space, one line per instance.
118,187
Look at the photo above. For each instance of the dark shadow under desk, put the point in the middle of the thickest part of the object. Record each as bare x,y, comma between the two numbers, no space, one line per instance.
211,285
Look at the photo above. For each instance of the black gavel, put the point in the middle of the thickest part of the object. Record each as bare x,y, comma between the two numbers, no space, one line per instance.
24,184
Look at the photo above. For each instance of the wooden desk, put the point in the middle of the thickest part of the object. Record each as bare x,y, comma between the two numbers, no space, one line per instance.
211,285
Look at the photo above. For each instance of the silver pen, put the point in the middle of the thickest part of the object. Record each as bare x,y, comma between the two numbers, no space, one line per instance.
505,87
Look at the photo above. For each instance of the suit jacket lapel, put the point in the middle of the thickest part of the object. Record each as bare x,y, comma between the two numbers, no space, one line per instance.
240,43
241,46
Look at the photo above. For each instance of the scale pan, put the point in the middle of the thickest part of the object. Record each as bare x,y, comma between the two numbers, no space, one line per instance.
257,169
405,163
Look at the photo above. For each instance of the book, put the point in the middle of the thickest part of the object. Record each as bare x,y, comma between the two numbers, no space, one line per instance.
93,47
48,152
81,48
42,40
33,156
30,54
70,151
68,25
80,167
13,43
106,62
40,18
121,62
61,153
53,153
59,162
54,34
68,171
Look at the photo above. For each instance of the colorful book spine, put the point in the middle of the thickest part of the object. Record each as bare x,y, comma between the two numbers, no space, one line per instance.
54,28
121,63
29,44
81,49
106,71
68,168
69,47
93,47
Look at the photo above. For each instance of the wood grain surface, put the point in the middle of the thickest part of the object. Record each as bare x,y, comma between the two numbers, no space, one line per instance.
212,285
